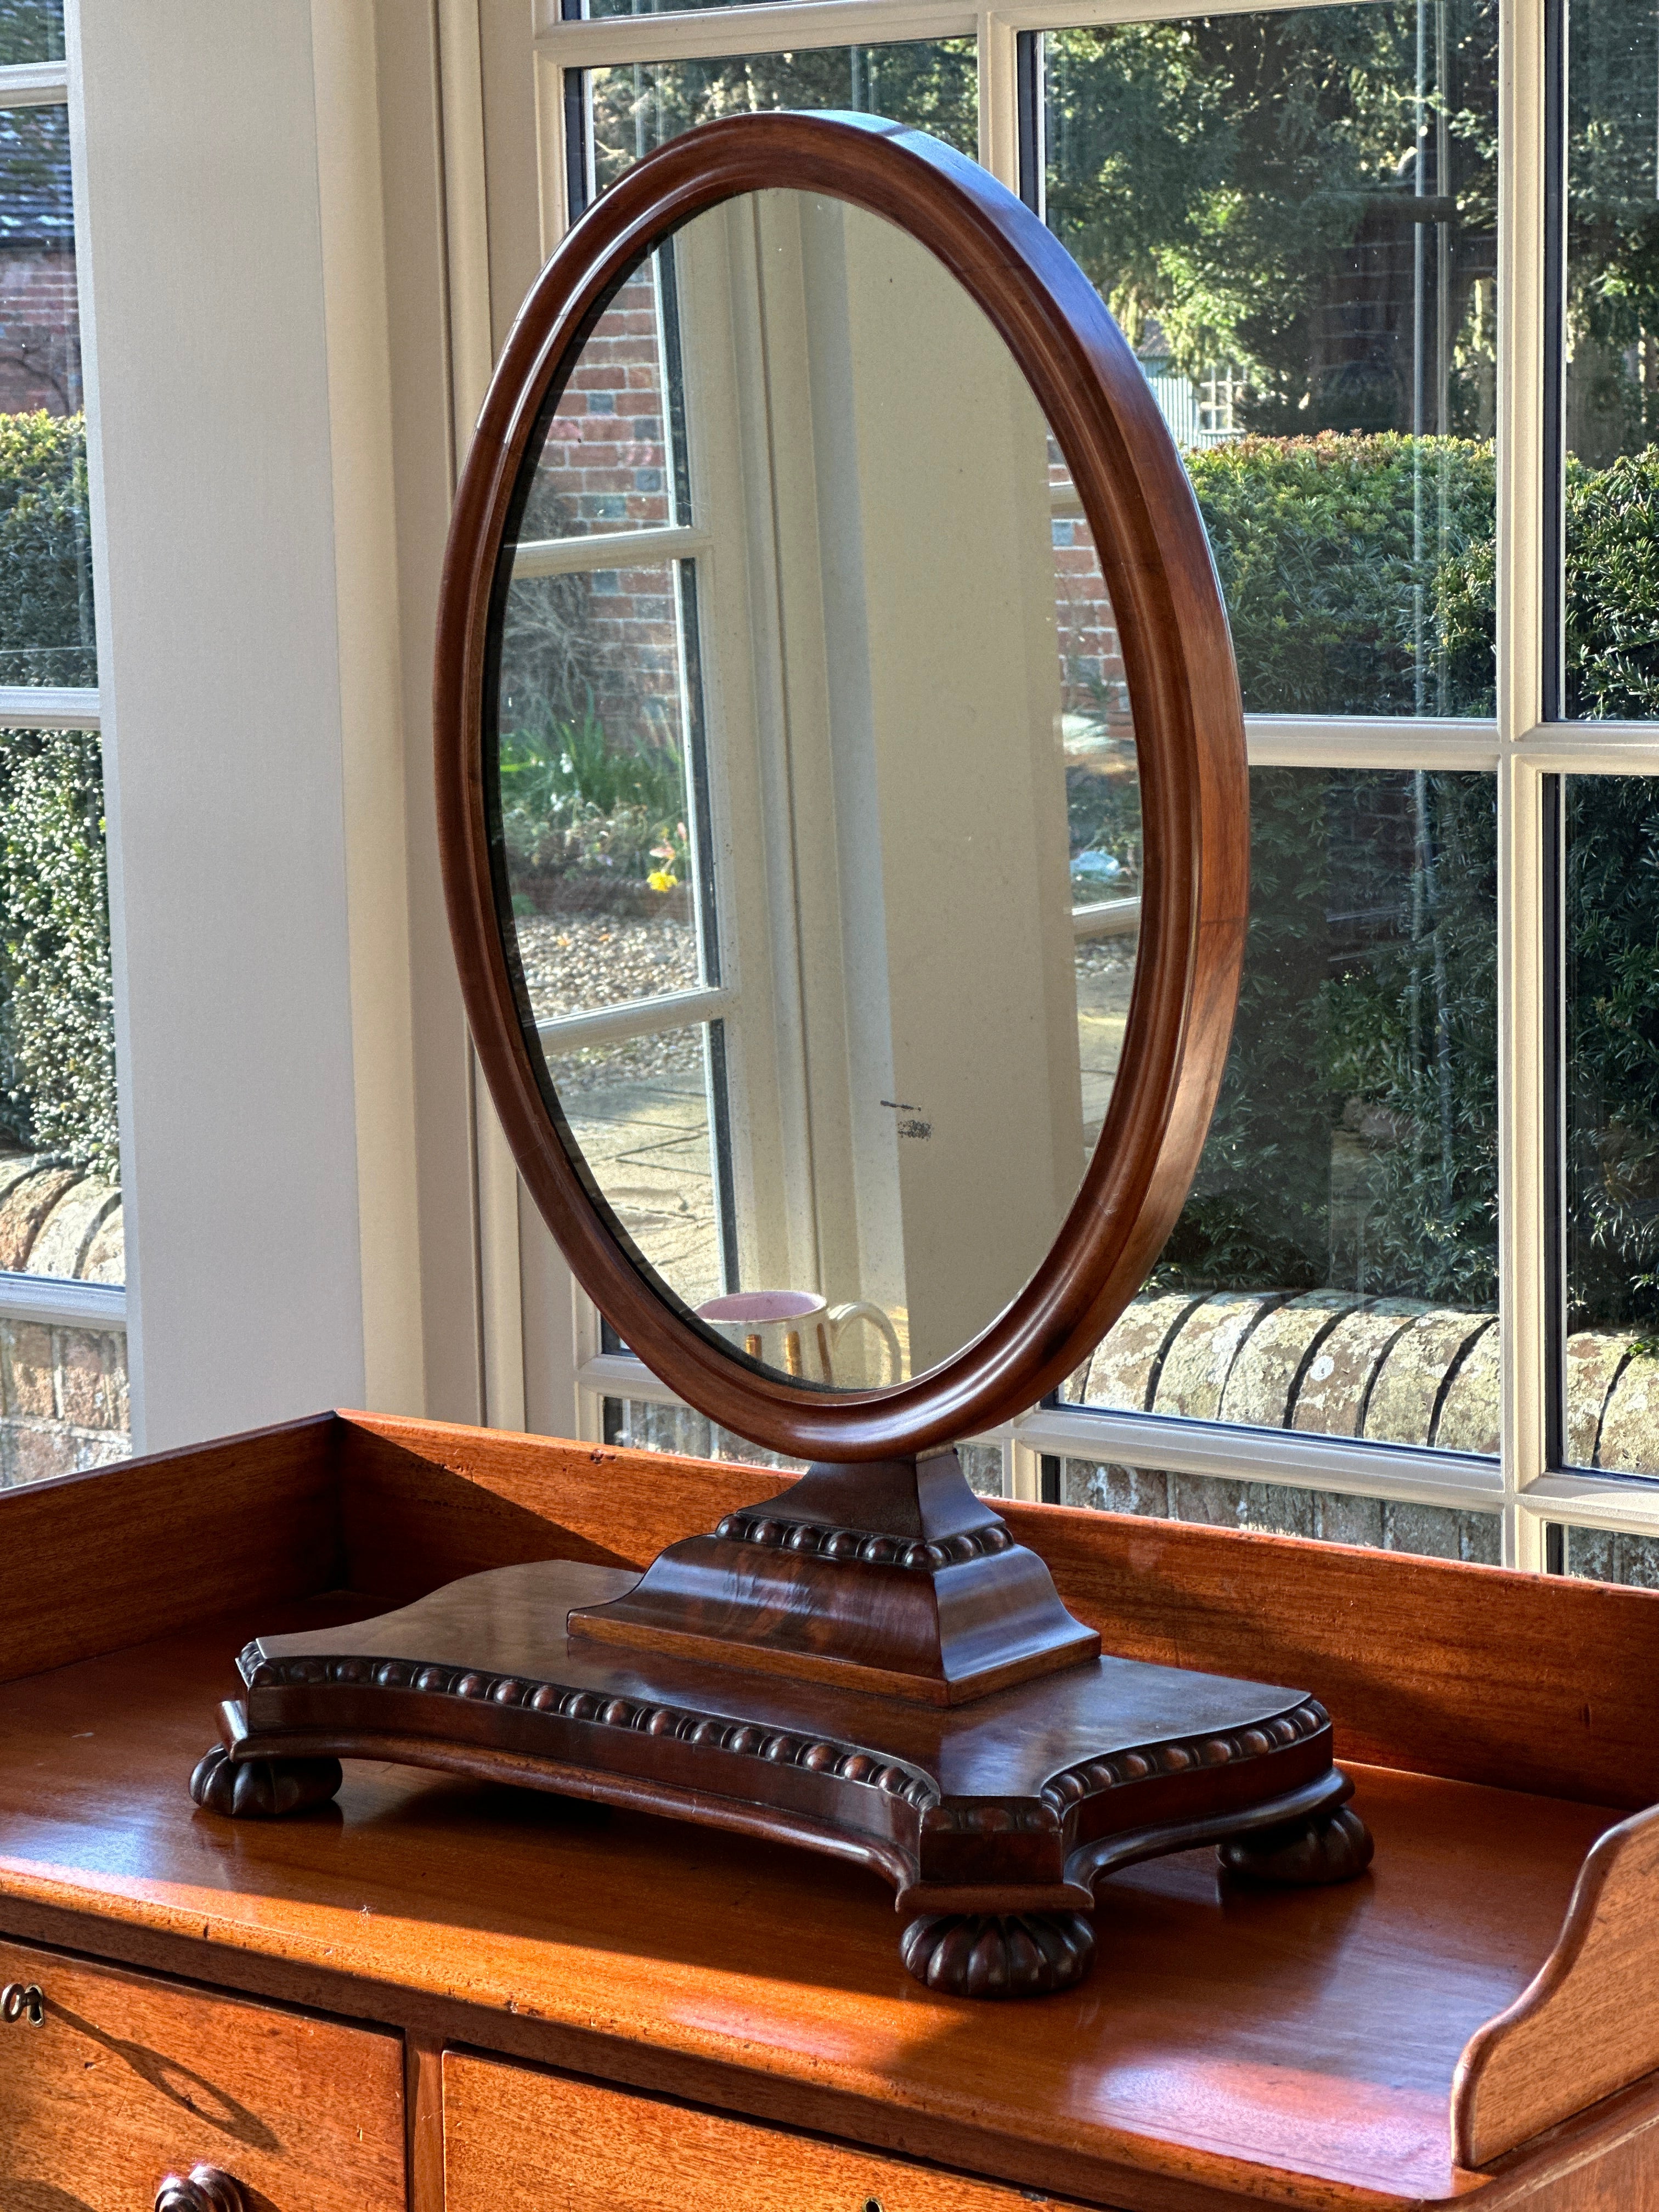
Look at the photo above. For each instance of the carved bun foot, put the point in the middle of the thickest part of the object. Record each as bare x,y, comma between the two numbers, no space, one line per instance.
1334,1847
1011,1954
262,1789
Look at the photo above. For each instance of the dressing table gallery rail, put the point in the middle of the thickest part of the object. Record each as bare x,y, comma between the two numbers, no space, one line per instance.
431,1994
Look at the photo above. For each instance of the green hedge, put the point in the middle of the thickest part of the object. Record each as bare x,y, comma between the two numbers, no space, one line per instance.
1339,558
57,1034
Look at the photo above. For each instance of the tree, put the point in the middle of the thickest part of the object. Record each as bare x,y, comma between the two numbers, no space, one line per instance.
1248,184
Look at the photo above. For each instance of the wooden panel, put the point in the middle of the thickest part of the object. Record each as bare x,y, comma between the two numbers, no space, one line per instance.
1589,2025
1606,2161
1519,1680
1469,1672
130,2078
91,1562
1296,2047
541,2141
423,1502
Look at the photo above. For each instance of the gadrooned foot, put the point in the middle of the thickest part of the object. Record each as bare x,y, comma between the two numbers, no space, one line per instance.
262,1789
1331,1847
1006,1954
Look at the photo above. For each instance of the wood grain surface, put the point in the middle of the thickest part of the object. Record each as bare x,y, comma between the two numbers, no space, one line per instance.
1183,690
1518,1680
1606,2161
1589,2025
91,1562
424,1502
546,2144
130,2078
1524,1681
1290,2048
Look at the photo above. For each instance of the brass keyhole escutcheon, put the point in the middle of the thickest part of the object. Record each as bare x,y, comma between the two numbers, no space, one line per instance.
23,2001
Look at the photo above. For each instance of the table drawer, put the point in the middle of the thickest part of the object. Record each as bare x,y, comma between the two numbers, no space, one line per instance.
128,2078
539,2142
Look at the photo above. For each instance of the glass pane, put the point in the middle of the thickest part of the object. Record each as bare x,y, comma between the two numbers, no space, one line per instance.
1434,1532
1335,1268
598,7
932,85
45,570
639,1425
1611,660
63,1391
595,801
1292,216
1612,1135
31,31
611,460
639,1110
1607,1555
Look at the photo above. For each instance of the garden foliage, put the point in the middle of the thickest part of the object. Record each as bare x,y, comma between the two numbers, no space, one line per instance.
1370,993
56,1046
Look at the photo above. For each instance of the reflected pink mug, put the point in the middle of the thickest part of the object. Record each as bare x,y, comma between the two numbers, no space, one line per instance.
796,1331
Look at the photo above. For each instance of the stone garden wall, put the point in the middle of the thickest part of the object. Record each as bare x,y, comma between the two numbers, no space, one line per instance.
63,1391
1392,1370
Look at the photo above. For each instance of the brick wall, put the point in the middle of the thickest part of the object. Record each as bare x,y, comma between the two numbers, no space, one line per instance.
605,465
39,334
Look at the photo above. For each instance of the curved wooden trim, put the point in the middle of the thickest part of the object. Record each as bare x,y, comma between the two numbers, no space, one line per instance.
1183,689
1588,2023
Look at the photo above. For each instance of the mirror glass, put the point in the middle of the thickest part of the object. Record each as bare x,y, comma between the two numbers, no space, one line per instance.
812,783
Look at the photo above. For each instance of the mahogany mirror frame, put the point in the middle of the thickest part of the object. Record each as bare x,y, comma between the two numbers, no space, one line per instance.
1189,731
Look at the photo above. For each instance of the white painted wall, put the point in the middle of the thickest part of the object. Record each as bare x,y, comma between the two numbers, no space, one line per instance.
255,770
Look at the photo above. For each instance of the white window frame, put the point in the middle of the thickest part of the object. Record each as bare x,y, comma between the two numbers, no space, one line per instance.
1517,748
51,1299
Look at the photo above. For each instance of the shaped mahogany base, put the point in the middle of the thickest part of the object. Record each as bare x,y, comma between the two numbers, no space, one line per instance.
994,1820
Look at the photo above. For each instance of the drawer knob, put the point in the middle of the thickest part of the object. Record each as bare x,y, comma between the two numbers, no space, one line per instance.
23,2001
204,2189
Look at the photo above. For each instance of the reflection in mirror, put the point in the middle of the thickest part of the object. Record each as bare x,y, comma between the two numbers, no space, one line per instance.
814,784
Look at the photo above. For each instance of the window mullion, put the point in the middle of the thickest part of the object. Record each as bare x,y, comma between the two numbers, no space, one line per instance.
1523,1194
999,99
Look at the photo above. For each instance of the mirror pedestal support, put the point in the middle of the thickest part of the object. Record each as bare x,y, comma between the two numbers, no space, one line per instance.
892,1577
994,1811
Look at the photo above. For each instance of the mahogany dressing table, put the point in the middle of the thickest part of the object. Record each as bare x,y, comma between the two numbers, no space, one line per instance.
431,1994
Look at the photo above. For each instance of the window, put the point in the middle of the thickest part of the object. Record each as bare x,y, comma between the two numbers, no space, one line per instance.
63,1341
1411,1300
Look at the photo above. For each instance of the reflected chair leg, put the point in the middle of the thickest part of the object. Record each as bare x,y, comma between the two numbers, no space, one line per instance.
998,1955
1330,1847
262,1789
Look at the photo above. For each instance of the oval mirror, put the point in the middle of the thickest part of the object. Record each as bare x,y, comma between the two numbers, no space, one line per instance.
841,784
